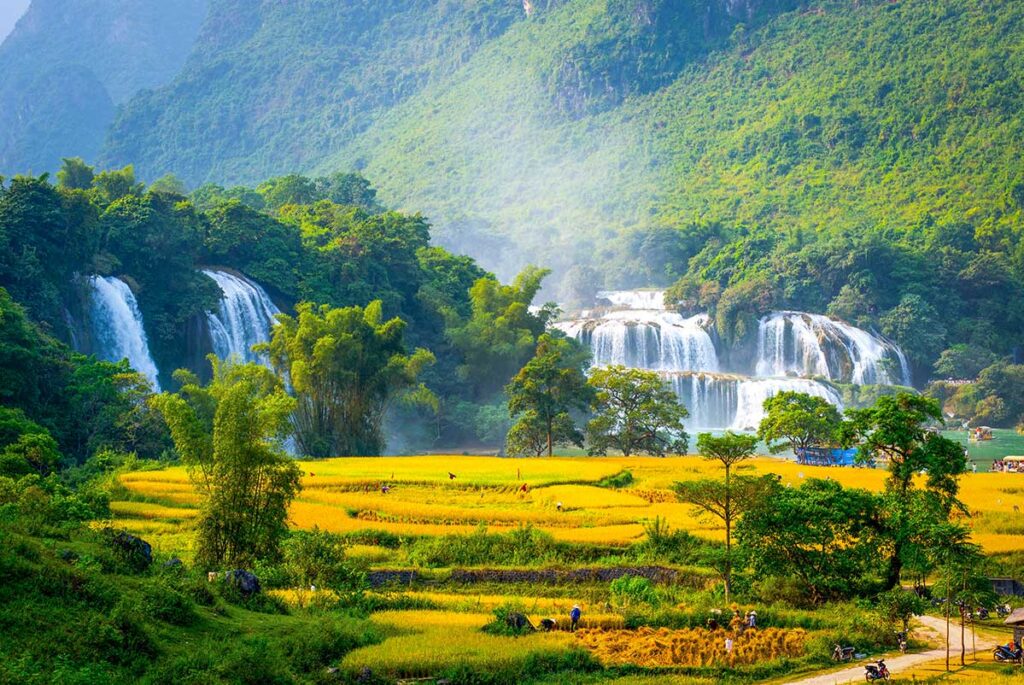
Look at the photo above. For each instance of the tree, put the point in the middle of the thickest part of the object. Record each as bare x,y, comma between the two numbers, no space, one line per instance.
963,361
635,413
501,332
349,189
724,501
897,606
821,533
75,174
346,366
915,325
169,184
799,420
229,434
545,392
896,430
957,561
110,186
31,453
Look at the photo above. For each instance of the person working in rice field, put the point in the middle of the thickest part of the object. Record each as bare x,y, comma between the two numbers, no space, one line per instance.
574,617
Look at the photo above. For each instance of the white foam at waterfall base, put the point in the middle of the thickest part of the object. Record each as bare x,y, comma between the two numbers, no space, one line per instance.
801,344
751,395
244,317
117,327
717,401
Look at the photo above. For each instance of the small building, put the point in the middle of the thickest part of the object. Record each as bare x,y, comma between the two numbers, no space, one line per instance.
1007,586
1016,620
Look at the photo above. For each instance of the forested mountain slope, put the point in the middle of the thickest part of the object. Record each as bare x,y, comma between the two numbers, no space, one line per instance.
69,63
563,127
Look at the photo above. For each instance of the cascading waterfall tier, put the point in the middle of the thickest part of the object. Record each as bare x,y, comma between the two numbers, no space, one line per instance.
634,299
243,318
737,402
116,326
633,328
646,339
800,344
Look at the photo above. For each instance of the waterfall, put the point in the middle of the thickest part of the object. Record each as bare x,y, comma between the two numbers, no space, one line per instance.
117,328
719,401
634,299
800,344
647,339
633,328
243,318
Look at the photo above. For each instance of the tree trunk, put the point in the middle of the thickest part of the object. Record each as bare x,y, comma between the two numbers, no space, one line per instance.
728,536
974,644
963,643
550,441
947,629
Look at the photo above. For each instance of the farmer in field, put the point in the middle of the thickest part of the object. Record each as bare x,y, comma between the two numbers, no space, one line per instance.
574,617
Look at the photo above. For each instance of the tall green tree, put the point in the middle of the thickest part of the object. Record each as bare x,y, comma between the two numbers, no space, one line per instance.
545,392
727,500
635,412
75,174
229,434
346,366
821,533
501,333
796,420
897,606
898,430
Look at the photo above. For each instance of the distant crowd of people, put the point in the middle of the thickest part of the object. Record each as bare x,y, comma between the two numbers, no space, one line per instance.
1000,466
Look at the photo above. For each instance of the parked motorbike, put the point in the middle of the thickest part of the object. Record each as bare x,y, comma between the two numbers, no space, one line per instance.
1004,654
981,614
877,671
841,653
1003,610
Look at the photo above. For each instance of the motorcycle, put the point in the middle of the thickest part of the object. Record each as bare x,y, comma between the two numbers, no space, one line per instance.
1003,610
841,653
1004,654
981,614
877,671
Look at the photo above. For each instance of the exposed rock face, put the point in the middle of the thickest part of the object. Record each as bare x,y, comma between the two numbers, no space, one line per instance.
246,582
132,550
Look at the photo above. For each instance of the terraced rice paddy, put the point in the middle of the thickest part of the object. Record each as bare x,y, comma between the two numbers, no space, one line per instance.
562,496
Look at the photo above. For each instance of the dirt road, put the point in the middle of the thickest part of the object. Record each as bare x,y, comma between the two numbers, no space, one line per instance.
904,662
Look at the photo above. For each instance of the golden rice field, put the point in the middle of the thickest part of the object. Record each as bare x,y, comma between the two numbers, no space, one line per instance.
692,646
561,496
413,650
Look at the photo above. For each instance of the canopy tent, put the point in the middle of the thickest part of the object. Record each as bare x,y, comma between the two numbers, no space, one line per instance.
824,456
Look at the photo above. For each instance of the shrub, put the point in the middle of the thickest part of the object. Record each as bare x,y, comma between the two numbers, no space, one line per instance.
628,591
167,604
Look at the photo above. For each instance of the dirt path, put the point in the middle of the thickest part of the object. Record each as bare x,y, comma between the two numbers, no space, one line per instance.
897,663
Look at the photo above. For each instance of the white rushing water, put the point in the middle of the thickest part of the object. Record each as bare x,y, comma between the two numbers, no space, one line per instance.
636,330
737,402
244,317
800,344
647,339
634,299
117,328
